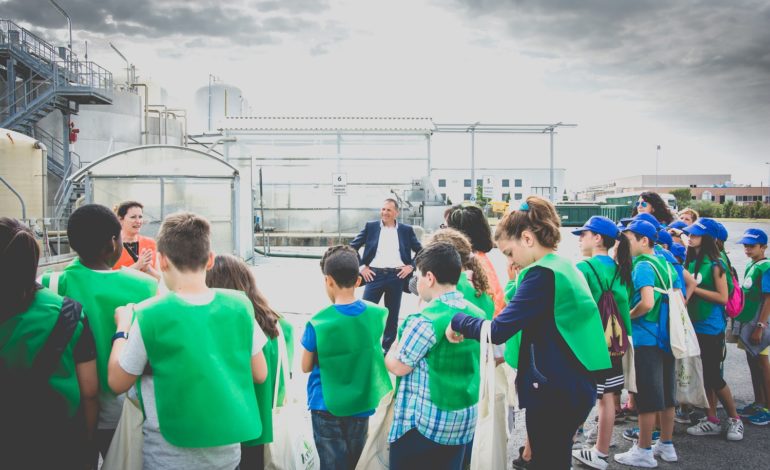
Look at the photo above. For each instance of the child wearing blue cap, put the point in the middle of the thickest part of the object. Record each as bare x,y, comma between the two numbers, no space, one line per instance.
707,311
605,275
654,363
756,288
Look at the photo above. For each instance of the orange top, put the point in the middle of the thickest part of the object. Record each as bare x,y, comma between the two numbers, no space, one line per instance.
144,243
495,289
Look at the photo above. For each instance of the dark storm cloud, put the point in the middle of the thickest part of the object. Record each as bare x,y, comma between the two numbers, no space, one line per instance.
705,57
152,19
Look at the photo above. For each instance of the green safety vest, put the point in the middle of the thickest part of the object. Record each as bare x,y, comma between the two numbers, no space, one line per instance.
453,369
699,308
752,289
662,266
512,346
353,374
483,301
265,390
575,312
608,274
100,293
24,335
201,365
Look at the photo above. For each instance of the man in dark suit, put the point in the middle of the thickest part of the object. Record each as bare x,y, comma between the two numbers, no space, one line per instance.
387,262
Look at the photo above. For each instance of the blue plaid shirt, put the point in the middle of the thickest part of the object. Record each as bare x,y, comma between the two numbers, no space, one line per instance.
414,408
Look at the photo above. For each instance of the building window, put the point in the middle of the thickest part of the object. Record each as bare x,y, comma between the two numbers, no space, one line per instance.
517,183
467,196
517,196
479,181
506,183
443,196
442,183
506,197
467,183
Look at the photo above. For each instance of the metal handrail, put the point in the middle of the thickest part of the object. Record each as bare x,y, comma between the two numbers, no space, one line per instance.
29,98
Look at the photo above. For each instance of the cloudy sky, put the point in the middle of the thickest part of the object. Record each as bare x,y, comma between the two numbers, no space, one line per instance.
691,76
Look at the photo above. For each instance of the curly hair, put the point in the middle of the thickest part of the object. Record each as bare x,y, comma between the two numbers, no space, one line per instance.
660,209
463,246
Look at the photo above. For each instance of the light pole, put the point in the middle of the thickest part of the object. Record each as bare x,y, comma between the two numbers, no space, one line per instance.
473,160
768,182
128,66
657,157
69,21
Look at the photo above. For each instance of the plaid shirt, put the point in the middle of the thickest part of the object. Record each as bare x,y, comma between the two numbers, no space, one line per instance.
414,408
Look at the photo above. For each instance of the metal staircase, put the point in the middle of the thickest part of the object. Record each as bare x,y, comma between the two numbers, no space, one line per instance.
58,165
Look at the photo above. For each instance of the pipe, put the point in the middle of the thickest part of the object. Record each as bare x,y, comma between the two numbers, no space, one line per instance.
183,113
21,200
286,255
128,66
146,96
69,21
220,140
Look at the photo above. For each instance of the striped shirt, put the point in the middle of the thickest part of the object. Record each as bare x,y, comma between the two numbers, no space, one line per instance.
414,408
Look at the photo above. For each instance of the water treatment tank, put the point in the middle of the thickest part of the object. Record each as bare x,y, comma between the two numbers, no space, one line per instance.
215,102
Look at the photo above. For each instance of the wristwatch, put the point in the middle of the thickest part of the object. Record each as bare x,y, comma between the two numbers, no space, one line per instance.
119,334
761,325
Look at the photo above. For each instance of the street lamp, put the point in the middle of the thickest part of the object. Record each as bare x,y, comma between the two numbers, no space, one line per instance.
69,21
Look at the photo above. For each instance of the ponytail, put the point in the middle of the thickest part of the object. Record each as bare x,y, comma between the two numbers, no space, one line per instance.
480,279
624,260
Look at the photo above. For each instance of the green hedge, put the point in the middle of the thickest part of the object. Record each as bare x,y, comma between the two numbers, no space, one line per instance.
731,210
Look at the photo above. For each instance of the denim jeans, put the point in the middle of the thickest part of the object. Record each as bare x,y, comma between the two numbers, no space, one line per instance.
388,283
339,440
413,451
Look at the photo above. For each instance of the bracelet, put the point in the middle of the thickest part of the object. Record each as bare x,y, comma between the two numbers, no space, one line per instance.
761,325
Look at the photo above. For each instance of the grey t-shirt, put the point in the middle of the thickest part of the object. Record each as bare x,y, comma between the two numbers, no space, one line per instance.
157,452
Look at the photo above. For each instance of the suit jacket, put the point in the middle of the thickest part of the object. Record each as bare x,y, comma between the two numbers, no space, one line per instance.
370,236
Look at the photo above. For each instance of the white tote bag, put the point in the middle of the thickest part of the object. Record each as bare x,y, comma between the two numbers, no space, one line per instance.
293,447
125,452
684,342
490,441
376,453
689,382
629,367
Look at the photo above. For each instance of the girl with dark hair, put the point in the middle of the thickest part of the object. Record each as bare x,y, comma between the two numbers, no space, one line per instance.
471,221
651,203
707,310
562,342
230,272
139,252
47,364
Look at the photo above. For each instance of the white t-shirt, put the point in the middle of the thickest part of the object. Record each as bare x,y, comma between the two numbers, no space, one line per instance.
156,451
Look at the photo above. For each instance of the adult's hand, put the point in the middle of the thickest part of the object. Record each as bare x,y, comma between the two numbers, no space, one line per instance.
368,274
406,270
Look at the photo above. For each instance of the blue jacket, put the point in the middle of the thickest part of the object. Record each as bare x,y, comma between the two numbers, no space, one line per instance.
370,237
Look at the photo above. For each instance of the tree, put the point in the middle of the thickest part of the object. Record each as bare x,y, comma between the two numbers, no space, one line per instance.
683,197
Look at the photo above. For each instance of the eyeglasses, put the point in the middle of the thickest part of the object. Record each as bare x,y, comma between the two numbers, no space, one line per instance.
642,204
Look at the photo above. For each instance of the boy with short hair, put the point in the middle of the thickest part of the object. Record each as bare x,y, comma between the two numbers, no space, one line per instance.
93,231
342,352
436,398
756,291
205,352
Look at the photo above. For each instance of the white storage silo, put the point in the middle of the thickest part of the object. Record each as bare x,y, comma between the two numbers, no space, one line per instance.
215,102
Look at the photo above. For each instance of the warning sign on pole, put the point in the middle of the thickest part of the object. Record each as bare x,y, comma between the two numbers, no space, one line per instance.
488,190
339,183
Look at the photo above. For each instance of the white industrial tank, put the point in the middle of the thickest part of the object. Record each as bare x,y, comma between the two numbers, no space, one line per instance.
215,102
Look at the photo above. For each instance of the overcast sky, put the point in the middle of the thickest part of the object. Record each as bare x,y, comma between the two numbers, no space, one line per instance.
691,76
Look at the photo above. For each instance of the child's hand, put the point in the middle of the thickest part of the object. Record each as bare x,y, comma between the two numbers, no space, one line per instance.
123,317
756,335
452,336
513,271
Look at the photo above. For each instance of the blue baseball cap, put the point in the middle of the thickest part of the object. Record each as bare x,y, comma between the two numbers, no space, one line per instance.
678,250
600,225
703,226
678,225
753,236
664,238
648,218
643,228
722,234
625,221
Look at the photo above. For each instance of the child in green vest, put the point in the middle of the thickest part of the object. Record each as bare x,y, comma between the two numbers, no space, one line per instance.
47,364
756,290
204,352
93,231
654,363
706,307
436,399
605,274
561,344
342,352
230,272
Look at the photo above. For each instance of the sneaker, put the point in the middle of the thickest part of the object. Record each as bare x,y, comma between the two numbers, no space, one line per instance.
637,457
734,430
749,410
707,428
683,417
761,418
591,458
665,452
633,435
620,417
519,463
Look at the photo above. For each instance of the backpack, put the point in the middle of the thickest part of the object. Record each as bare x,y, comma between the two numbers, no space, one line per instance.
615,332
32,412
736,301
